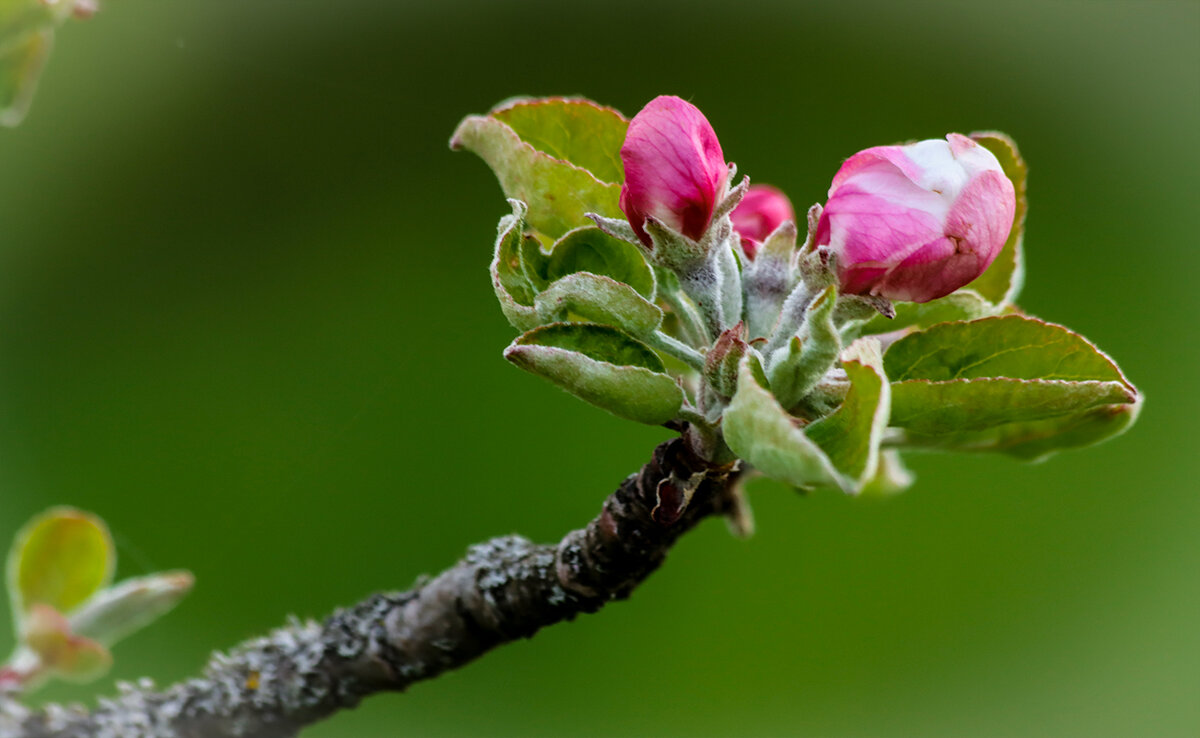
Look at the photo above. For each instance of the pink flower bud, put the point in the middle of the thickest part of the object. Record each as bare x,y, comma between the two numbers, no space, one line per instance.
916,222
674,168
759,213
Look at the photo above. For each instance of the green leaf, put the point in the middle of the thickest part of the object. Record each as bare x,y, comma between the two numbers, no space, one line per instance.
962,378
1001,283
759,430
797,367
1037,439
598,299
769,278
590,249
572,129
113,613
509,281
557,190
21,63
1012,346
933,408
603,366
891,476
59,559
850,436
962,305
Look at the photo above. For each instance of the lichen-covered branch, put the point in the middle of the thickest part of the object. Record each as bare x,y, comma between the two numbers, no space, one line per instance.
504,589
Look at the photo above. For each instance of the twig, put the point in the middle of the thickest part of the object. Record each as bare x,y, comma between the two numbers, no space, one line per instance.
504,589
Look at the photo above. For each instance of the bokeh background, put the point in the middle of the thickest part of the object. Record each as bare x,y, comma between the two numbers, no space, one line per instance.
244,316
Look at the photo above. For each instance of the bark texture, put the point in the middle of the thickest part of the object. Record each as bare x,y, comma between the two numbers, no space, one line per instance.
504,589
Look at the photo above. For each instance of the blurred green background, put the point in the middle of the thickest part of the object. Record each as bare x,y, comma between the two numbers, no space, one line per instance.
244,315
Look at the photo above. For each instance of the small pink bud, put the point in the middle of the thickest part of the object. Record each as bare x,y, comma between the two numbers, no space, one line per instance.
916,222
674,168
759,213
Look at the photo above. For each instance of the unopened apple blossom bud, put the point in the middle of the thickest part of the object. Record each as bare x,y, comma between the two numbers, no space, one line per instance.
761,211
675,171
916,222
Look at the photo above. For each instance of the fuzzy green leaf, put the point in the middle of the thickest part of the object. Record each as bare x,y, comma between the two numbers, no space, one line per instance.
603,366
115,612
759,430
1012,346
850,435
891,476
590,249
513,288
797,367
1002,281
598,299
59,559
557,190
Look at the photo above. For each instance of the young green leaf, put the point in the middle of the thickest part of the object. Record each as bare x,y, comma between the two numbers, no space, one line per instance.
556,183
891,476
932,408
1036,440
760,431
1012,346
572,129
589,249
958,379
603,366
126,607
796,368
1002,281
513,289
850,436
59,559
598,299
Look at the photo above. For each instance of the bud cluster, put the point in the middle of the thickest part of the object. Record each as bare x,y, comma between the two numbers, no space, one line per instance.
911,223
889,324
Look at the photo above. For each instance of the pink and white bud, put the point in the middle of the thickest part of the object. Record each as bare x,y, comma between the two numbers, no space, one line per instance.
916,222
759,213
674,168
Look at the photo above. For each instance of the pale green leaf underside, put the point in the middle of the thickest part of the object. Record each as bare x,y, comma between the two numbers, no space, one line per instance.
933,408
603,366
598,299
1036,439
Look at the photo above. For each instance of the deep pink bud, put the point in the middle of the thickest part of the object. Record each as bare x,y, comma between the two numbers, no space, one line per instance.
759,213
916,222
674,168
